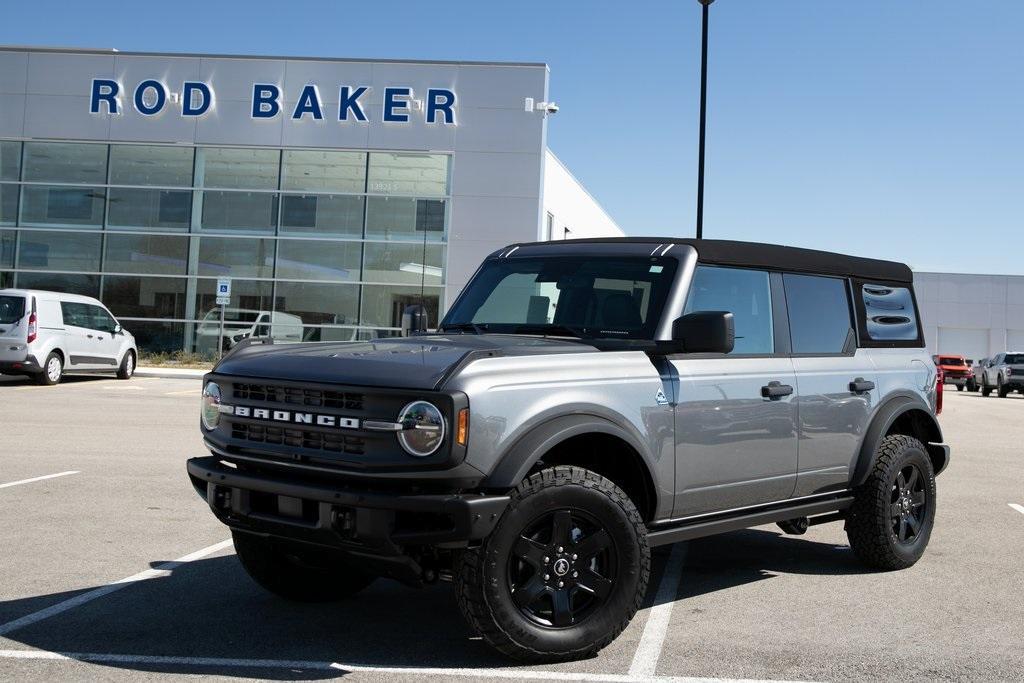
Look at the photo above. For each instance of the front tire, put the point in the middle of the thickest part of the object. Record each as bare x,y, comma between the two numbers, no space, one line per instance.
53,370
893,512
127,368
563,572
297,575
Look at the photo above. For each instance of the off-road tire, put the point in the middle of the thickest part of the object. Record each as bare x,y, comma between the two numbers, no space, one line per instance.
869,522
281,571
127,368
986,390
482,574
972,385
960,387
44,377
1002,389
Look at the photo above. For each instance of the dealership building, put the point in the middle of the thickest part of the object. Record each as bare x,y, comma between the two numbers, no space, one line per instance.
333,193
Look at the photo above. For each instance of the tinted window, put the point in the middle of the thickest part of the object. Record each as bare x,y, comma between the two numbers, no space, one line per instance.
1014,358
75,314
12,308
744,293
101,320
819,313
889,313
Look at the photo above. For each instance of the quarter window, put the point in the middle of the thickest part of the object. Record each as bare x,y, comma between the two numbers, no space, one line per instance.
819,313
744,293
889,313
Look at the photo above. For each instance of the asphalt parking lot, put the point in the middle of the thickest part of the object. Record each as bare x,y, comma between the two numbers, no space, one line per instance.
115,570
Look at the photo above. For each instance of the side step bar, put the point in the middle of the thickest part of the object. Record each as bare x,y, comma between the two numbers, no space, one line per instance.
685,531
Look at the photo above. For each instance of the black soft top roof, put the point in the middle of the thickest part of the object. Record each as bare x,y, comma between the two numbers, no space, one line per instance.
759,255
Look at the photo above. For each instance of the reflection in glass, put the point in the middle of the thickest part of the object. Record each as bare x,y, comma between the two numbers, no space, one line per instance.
383,304
243,169
246,295
144,297
86,285
44,250
400,218
7,240
8,204
236,257
253,211
408,174
164,165
156,337
323,171
318,260
64,162
62,205
319,304
311,214
404,263
158,254
164,209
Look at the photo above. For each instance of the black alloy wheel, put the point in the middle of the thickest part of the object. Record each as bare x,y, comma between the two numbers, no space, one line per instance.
908,505
562,568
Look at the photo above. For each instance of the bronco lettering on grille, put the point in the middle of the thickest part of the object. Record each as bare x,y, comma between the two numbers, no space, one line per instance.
293,417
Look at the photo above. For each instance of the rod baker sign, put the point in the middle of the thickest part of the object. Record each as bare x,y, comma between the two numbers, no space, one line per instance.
152,97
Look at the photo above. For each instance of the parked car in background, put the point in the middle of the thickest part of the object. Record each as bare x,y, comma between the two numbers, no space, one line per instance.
240,323
977,369
1004,373
955,369
45,335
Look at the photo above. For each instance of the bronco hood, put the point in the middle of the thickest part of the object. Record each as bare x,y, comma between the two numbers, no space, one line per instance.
407,363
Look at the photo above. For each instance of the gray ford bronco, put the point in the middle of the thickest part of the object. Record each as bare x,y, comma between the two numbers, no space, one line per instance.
582,402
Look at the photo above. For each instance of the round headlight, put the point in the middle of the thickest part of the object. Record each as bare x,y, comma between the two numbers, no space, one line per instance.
211,406
424,428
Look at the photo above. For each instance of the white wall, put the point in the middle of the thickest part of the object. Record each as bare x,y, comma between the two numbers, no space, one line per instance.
573,212
973,315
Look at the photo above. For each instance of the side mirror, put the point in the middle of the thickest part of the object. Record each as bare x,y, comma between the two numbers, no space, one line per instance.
705,332
414,320
117,328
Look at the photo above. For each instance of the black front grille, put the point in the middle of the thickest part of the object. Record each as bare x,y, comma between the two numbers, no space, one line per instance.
298,396
299,438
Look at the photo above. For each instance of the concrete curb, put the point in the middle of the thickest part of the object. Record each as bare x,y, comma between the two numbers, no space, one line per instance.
175,373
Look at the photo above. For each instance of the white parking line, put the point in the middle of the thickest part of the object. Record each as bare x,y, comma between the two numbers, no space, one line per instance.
184,392
78,600
1018,508
29,481
645,661
225,663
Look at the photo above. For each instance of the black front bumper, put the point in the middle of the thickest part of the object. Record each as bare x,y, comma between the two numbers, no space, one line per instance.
372,527
29,366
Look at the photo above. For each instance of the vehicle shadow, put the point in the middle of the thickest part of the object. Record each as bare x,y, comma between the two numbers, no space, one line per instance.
22,381
211,609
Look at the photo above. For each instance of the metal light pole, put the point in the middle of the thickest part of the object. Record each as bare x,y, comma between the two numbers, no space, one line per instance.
703,114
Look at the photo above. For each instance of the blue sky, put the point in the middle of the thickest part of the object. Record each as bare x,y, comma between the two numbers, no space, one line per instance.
888,129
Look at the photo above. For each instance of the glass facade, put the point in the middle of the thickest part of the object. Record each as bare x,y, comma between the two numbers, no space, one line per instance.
320,244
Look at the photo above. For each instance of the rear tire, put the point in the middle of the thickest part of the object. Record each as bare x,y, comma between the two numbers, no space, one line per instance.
959,387
296,575
563,572
53,370
1002,389
893,512
127,368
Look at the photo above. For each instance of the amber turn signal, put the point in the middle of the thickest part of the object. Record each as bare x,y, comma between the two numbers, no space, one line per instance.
462,430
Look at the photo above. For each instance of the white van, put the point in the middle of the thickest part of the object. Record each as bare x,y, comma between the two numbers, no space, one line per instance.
241,323
47,334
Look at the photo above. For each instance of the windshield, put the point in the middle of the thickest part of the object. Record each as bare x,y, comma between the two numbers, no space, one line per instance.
1014,359
947,360
618,297
12,308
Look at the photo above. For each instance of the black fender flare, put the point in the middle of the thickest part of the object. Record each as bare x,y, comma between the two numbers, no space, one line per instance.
518,459
886,414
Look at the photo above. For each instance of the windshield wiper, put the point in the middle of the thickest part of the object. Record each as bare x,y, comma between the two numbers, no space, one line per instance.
552,330
476,328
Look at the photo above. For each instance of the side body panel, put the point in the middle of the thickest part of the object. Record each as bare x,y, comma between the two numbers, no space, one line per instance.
833,418
734,447
510,397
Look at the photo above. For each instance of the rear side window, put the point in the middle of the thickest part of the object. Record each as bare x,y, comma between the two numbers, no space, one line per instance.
12,309
75,314
744,293
819,313
889,313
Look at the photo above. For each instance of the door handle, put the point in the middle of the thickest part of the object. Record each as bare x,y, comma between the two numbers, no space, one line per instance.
774,390
89,336
861,385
